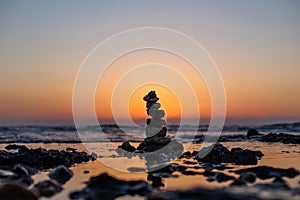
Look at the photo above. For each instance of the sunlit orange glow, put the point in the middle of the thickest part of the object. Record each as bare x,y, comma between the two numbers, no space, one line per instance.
185,73
167,99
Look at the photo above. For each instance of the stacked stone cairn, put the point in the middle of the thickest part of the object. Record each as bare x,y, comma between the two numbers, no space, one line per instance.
156,130
155,125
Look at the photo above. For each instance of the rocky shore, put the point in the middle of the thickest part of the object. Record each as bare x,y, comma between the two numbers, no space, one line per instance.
236,169
221,165
18,164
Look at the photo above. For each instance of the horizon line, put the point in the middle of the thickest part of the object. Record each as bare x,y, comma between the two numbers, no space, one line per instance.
202,121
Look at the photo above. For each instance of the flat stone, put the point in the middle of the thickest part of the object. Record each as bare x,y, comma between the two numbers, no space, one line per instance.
41,158
252,133
220,154
16,191
19,174
61,174
127,147
48,188
156,181
266,172
156,114
221,177
199,193
107,187
280,137
248,177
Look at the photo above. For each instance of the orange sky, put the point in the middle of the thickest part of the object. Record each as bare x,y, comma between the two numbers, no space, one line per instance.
119,80
254,44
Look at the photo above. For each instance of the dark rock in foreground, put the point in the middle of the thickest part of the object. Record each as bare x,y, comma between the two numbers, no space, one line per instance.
164,144
255,135
245,177
199,193
48,188
14,147
107,187
221,177
41,158
248,177
220,154
280,137
156,181
61,174
10,191
18,174
127,147
277,184
265,172
170,169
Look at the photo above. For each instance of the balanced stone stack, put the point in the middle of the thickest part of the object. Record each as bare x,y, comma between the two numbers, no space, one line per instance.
156,134
156,130
156,124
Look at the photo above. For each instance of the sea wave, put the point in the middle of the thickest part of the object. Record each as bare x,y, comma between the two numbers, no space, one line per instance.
115,133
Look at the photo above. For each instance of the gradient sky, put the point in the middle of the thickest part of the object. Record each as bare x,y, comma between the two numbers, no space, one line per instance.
255,44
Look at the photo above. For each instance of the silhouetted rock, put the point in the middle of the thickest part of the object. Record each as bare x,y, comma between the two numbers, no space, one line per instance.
191,173
200,193
25,168
48,188
252,132
156,132
221,177
280,137
167,171
238,182
107,187
70,149
189,154
14,147
61,174
212,176
277,185
266,172
20,170
156,180
127,147
187,162
245,177
209,167
155,125
248,177
157,140
220,154
42,158
156,143
156,148
11,191
18,174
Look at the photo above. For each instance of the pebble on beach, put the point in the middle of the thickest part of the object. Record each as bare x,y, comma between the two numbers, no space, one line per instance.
48,188
61,174
105,186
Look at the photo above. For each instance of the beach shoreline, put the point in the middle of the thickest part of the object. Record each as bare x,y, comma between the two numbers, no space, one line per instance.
277,155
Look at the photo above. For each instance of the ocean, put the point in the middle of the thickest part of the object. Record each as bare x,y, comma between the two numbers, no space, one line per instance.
69,134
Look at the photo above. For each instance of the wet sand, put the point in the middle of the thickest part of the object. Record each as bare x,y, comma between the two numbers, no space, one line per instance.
276,155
